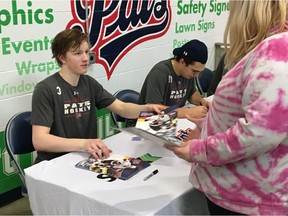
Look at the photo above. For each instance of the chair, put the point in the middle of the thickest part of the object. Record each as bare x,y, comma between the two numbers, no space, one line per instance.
18,140
220,71
204,80
125,95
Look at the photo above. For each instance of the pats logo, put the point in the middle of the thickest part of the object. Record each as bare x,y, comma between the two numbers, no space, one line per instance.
116,26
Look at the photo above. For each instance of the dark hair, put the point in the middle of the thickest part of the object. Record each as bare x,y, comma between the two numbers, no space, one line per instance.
65,40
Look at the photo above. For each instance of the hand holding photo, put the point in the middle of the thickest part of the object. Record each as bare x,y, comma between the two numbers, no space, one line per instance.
160,128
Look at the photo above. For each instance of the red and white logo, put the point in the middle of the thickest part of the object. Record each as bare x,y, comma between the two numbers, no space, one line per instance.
116,26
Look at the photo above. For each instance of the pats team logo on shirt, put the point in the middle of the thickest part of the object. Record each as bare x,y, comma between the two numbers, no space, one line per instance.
76,108
115,27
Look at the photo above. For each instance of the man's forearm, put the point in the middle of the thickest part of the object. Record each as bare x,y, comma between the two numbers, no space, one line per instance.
196,98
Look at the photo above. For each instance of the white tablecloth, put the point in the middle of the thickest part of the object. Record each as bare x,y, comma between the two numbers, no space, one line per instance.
57,187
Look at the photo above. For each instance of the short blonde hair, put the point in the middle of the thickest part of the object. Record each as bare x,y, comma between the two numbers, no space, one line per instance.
249,23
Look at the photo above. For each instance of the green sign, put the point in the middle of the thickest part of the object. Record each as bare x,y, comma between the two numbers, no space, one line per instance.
9,179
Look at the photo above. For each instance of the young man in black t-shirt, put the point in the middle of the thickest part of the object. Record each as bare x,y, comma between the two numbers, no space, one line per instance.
64,104
171,81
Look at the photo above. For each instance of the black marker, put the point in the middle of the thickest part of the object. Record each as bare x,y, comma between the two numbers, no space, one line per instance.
150,175
170,109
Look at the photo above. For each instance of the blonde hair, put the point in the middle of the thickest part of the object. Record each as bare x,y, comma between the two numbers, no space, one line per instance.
249,23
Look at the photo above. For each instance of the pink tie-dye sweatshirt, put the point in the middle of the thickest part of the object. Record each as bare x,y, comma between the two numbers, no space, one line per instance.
241,162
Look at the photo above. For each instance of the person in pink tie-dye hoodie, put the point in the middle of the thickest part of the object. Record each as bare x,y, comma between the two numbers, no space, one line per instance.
239,152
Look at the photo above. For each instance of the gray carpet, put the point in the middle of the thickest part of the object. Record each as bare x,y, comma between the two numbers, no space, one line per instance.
18,207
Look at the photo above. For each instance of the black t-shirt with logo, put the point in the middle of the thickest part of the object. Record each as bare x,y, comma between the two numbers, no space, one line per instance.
163,86
70,111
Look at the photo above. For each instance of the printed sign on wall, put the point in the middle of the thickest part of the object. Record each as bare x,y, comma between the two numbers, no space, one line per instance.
127,38
115,27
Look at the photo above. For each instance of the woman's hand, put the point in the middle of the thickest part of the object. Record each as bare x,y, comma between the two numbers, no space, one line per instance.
195,133
198,122
194,112
182,151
